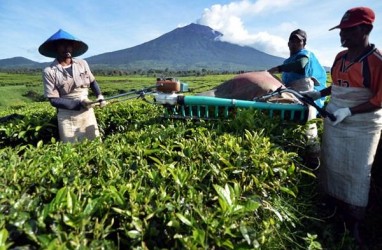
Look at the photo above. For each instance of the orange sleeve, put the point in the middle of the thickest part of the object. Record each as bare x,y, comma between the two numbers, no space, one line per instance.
375,64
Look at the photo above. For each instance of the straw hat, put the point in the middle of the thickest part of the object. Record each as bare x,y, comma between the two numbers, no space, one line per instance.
48,48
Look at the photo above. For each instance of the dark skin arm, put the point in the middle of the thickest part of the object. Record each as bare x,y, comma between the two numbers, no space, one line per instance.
296,66
362,108
326,91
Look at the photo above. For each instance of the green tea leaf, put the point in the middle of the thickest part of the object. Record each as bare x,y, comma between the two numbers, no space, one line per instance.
184,219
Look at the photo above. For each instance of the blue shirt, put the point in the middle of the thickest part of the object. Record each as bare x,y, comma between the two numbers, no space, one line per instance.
312,69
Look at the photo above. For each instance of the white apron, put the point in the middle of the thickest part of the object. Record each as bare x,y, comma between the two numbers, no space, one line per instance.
348,149
307,84
77,125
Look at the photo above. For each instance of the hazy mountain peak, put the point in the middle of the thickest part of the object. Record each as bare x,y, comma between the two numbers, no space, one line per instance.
202,30
16,61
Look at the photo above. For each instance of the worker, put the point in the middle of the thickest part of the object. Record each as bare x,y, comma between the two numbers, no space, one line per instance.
303,72
350,142
66,84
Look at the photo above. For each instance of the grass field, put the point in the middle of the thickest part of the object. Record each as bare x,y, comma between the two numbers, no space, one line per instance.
14,88
14,96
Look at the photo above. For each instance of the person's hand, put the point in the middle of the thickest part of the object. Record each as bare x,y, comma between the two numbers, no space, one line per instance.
315,95
274,70
87,104
101,100
340,115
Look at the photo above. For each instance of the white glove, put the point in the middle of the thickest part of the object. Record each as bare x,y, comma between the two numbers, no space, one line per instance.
340,115
312,94
101,100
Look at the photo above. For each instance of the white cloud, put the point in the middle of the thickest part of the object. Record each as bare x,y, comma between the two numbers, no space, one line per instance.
265,25
228,19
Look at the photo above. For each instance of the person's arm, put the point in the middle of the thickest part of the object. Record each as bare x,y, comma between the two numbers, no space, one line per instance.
342,113
95,88
274,70
315,95
363,108
326,91
48,77
296,66
97,91
65,103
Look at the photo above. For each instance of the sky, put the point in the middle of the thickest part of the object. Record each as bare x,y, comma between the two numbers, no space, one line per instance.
112,25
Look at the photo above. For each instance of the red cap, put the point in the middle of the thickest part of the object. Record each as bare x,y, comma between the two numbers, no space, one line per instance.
356,16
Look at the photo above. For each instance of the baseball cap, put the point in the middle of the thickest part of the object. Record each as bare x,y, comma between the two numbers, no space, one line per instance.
299,33
356,16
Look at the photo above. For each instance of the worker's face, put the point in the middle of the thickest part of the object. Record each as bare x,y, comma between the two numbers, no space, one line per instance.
353,36
65,49
295,45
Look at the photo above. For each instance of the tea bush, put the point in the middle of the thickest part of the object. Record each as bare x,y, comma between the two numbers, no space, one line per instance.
151,183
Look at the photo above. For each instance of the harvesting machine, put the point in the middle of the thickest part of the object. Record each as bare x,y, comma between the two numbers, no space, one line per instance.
170,93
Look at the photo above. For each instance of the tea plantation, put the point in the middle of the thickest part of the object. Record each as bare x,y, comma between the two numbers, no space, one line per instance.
156,183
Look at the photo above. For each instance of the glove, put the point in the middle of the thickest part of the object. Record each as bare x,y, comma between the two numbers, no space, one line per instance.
315,95
101,100
87,104
340,115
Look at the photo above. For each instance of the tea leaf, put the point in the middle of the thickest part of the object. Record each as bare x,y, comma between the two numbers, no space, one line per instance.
183,219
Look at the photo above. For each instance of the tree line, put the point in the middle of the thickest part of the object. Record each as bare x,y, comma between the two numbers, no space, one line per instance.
122,72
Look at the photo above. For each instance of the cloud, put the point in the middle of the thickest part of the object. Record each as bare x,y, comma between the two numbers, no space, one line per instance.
229,20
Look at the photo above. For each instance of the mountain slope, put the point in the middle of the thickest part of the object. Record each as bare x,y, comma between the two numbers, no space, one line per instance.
190,47
18,62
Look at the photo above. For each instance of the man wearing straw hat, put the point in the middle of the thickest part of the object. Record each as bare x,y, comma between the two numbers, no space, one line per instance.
66,84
